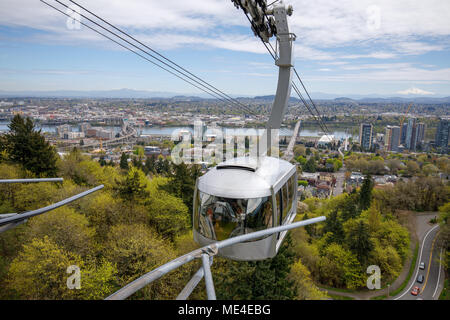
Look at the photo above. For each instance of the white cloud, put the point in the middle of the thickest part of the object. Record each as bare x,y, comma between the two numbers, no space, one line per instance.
331,23
377,66
405,74
319,24
306,52
135,14
374,55
417,47
334,63
415,91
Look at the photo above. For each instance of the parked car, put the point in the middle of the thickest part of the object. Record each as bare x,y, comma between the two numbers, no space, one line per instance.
415,291
420,278
422,266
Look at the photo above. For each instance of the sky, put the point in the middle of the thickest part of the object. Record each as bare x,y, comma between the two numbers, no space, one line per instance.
357,47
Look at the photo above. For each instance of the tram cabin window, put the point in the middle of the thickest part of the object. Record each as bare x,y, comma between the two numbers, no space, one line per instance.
221,218
285,198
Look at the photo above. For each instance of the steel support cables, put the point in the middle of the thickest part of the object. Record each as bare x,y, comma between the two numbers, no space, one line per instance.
273,53
317,117
209,250
308,106
126,40
160,55
312,102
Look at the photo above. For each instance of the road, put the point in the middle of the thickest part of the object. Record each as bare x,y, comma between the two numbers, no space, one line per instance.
340,178
129,132
429,253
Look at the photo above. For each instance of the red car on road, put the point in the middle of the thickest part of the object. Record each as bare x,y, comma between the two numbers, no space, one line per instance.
415,291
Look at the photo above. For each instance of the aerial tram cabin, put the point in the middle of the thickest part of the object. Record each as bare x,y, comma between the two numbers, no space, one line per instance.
244,195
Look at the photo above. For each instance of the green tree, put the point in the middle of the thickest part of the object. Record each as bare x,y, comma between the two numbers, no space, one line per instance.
135,250
365,194
29,148
102,161
357,237
302,160
394,165
133,187
310,165
66,228
150,164
430,169
168,215
85,172
137,162
444,237
412,167
303,183
349,207
299,150
103,210
333,225
339,267
391,233
255,280
311,228
182,182
389,261
306,289
124,161
39,272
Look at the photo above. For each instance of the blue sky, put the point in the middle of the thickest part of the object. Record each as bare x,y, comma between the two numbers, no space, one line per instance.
345,47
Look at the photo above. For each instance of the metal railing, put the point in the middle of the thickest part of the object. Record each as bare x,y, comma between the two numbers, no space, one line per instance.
206,254
11,220
31,180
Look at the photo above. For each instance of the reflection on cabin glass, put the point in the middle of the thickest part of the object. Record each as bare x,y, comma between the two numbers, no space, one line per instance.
222,218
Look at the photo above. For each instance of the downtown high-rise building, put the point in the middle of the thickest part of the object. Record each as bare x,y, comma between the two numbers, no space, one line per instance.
415,134
410,134
392,138
420,135
365,136
403,128
442,135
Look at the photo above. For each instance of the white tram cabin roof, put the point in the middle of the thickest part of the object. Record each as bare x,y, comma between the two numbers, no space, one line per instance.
243,177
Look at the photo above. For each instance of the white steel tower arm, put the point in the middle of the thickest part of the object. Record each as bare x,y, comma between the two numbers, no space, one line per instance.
284,61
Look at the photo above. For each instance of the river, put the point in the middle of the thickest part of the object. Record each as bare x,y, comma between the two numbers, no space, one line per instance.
167,131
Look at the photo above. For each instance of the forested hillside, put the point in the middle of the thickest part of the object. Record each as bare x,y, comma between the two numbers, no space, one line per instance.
142,219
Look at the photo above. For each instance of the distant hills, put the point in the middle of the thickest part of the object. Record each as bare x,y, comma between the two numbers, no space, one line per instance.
114,94
423,100
142,94
408,99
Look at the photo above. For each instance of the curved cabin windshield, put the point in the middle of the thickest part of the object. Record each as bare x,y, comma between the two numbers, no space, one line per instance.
221,218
